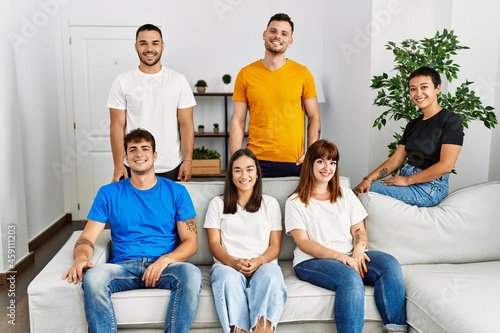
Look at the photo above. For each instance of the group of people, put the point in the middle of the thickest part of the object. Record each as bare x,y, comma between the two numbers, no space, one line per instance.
151,216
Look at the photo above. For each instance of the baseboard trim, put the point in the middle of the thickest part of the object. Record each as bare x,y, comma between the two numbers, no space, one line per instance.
47,233
18,268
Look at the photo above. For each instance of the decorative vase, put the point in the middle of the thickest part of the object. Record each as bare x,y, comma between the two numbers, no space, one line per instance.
226,87
201,130
201,89
216,130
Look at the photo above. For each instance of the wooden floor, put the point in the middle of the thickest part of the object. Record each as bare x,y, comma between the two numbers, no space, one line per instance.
43,254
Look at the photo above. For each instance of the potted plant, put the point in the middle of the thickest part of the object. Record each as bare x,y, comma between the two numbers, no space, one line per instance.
201,129
201,86
216,128
206,161
434,52
226,79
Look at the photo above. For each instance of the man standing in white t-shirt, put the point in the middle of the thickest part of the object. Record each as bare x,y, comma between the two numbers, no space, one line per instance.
157,99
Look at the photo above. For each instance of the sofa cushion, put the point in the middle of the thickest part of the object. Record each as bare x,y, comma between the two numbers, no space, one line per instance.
462,228
459,298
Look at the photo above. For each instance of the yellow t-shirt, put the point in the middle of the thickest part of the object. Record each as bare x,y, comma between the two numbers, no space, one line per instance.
274,100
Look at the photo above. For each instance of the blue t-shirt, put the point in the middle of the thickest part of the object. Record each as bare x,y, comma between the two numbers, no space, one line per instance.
142,222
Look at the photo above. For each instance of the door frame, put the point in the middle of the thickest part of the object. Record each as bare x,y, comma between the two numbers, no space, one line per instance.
67,170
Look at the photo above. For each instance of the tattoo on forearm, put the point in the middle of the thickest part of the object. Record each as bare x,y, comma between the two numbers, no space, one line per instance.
85,241
358,239
191,225
382,173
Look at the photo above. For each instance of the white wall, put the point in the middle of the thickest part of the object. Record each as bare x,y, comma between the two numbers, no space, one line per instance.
13,222
343,41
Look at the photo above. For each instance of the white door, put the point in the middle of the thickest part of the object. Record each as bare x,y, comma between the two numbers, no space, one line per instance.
98,53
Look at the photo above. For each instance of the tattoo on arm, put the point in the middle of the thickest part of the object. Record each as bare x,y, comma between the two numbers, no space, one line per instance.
85,241
191,225
358,239
382,173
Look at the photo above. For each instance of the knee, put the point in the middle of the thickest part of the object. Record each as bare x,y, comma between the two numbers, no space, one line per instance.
96,277
354,285
191,276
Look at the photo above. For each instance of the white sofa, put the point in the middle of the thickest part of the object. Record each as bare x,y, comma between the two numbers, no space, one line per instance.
450,256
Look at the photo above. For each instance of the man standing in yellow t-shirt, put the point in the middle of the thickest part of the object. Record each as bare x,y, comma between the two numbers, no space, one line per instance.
276,91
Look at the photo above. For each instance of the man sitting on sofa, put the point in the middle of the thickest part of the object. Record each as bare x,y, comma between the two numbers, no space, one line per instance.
153,232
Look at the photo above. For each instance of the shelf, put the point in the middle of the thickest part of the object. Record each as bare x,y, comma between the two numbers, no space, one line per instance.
213,94
210,134
224,129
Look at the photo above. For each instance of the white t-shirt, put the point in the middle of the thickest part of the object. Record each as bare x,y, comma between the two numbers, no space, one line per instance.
326,223
243,234
151,102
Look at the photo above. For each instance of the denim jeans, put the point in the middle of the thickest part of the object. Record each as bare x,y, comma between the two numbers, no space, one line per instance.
384,273
241,301
279,169
183,279
422,195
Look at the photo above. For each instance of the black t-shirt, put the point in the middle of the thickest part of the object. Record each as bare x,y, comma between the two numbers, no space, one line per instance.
423,138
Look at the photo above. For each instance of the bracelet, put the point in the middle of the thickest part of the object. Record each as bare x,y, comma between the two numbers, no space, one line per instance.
187,161
366,178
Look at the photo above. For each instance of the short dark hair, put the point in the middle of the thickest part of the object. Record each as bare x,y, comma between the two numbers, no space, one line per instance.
137,135
230,196
426,71
148,27
281,17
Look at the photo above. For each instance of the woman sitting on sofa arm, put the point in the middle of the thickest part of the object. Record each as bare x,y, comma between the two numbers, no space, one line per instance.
431,142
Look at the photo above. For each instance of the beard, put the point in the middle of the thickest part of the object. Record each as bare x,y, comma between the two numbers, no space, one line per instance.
150,63
273,49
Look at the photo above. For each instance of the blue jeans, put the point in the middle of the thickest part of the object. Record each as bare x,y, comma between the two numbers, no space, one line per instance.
279,169
384,273
183,279
241,301
422,195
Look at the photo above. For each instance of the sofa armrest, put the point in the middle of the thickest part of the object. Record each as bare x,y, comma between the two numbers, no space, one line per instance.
55,305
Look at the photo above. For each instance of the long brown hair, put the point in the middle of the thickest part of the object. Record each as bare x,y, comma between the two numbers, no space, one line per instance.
231,192
320,149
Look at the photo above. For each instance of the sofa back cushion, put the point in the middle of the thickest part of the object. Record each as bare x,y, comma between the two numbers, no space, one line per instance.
464,227
202,193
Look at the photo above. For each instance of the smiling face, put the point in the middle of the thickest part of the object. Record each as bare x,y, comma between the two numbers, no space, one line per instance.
244,172
324,169
149,47
278,37
140,156
423,92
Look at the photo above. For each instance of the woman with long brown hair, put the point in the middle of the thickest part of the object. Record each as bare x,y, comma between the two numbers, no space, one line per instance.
326,222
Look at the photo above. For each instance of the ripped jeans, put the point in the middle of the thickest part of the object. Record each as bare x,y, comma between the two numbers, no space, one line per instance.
422,195
241,301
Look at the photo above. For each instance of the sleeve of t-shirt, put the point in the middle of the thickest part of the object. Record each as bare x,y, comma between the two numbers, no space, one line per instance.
116,98
293,215
309,85
357,211
99,211
274,214
213,215
186,97
184,205
239,93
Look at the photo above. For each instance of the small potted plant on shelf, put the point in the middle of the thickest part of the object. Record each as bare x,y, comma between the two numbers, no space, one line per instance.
226,79
201,128
206,161
216,128
201,86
